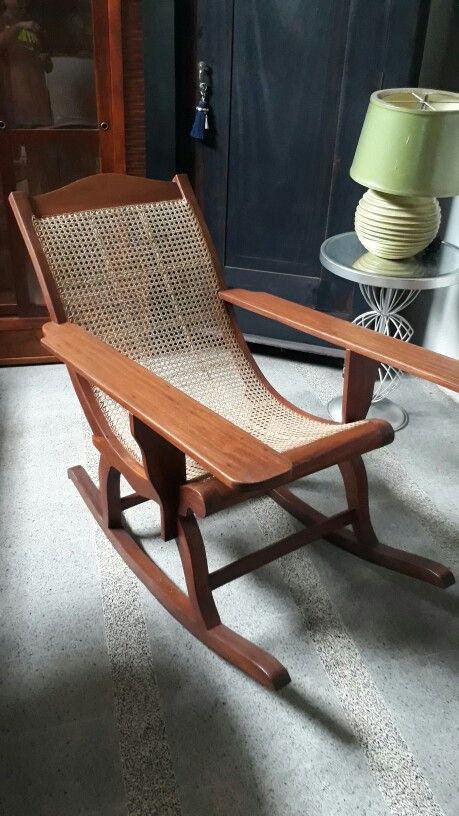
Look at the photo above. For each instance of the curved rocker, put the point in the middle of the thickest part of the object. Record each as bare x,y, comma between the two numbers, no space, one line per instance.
197,611
141,319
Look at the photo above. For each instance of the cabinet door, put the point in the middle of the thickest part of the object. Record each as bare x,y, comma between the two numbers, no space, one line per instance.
290,85
60,111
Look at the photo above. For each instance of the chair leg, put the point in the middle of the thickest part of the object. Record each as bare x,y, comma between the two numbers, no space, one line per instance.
355,481
242,653
196,611
364,543
194,563
356,485
110,497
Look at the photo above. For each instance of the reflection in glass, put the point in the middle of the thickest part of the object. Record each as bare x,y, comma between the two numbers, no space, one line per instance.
47,71
6,274
44,167
435,266
403,268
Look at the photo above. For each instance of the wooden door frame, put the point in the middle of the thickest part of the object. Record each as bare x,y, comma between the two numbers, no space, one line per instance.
108,65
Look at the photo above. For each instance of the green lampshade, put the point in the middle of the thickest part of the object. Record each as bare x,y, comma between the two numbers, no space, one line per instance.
409,145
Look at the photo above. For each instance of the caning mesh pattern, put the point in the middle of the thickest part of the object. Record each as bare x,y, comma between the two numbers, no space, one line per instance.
141,278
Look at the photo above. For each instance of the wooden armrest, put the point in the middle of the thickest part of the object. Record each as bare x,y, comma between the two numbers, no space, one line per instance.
230,454
421,362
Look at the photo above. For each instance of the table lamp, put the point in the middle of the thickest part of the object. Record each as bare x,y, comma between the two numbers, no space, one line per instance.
407,155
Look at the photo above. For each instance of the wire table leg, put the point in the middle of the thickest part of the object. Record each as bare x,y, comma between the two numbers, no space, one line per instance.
384,317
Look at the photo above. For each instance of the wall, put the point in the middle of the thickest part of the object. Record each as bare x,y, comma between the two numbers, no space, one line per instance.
440,69
442,328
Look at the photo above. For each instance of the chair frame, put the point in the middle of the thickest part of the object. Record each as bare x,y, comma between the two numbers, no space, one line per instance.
239,465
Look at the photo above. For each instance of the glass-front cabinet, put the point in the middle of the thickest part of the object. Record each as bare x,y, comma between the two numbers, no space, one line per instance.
61,114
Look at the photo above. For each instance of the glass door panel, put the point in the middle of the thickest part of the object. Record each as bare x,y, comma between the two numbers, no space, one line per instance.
47,65
45,164
41,164
55,89
8,303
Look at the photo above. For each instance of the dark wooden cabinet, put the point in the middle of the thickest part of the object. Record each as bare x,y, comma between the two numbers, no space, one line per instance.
71,74
290,86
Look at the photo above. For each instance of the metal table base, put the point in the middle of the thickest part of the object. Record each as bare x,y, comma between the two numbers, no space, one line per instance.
388,287
384,316
383,409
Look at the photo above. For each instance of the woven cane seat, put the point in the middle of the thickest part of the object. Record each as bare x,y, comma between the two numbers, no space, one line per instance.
141,278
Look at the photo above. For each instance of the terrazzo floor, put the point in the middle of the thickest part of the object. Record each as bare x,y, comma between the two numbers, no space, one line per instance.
109,707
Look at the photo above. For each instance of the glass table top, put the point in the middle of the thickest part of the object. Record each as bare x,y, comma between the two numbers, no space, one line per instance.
435,267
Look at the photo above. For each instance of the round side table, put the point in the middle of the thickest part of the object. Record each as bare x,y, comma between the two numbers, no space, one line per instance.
388,287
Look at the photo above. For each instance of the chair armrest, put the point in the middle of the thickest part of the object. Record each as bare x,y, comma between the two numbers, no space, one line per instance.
421,362
230,454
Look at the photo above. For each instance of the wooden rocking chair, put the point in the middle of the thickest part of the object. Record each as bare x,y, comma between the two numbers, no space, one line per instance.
178,406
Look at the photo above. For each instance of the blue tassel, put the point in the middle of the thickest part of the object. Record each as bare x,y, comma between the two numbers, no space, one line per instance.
201,121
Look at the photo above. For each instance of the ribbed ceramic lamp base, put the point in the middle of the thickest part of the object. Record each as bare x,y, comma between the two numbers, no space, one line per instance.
396,226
